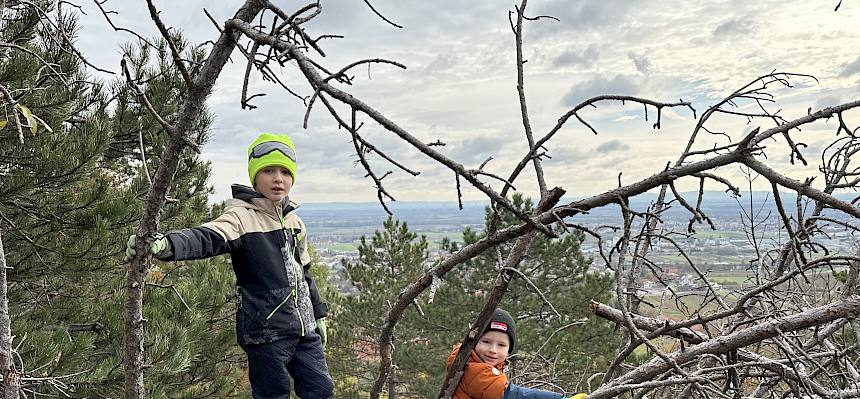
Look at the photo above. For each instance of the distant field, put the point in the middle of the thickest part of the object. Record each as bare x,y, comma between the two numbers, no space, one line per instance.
691,303
739,278
701,259
704,234
342,247
433,238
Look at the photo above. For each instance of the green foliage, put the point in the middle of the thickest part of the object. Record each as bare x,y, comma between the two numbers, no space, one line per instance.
571,346
69,198
390,260
559,350
841,276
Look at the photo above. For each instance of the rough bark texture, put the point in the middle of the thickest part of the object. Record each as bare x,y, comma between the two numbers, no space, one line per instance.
715,355
726,343
7,362
189,111
518,253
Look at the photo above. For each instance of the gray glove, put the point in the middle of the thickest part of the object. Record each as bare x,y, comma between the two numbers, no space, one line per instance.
160,247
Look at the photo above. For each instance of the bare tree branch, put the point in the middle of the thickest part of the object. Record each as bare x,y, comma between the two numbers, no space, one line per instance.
517,254
177,58
189,110
739,339
381,16
319,83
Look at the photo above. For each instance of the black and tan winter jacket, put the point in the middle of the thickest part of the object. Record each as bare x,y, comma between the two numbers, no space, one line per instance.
276,295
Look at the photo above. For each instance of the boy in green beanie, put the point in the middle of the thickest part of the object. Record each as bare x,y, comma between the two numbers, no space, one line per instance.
280,318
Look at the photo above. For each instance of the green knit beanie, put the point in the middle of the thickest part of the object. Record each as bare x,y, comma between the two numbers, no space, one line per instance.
271,150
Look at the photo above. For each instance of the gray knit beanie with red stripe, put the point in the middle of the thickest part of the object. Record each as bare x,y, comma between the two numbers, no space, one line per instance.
502,321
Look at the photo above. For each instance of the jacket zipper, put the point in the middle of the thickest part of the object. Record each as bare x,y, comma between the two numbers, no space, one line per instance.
292,269
279,306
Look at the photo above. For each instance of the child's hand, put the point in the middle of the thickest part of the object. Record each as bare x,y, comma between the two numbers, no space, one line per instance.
160,247
322,331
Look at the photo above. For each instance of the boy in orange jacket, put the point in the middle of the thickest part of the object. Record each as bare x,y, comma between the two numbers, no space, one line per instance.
483,377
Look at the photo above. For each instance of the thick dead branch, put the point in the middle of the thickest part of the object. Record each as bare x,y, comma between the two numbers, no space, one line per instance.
191,107
723,344
309,69
800,187
515,257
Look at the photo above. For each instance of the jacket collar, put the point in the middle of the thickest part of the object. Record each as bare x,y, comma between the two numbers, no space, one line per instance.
249,195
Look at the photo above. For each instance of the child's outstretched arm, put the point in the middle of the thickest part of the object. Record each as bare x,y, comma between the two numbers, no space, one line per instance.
211,239
518,392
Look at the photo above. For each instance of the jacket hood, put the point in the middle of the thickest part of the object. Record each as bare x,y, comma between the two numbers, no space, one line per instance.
249,198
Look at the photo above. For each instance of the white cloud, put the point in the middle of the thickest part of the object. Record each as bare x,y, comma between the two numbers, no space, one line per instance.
460,84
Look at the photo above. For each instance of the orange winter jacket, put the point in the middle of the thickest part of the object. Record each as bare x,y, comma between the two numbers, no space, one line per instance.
480,380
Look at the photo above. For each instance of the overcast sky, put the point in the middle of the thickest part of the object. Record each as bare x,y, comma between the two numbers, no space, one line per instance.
460,84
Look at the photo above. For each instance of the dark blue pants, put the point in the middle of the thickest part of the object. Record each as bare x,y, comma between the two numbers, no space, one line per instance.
517,392
272,364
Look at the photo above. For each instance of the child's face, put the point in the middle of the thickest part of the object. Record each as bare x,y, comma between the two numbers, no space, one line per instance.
493,347
274,182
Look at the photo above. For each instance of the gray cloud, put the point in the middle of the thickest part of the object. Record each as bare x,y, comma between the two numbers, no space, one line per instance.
476,149
734,26
826,101
851,68
620,84
583,15
610,146
641,62
584,57
442,63
459,85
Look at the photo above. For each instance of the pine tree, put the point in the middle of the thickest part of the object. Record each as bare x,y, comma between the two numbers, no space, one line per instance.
560,350
189,306
68,202
54,221
392,258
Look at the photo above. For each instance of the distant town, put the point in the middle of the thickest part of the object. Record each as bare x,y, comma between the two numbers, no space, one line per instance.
728,252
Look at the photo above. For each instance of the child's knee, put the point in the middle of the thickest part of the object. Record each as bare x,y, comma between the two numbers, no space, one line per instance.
319,386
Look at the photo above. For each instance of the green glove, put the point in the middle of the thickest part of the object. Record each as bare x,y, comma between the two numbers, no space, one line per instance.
577,396
322,331
160,247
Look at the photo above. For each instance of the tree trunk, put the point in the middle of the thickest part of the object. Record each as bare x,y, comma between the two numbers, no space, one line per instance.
7,362
392,387
517,254
188,112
